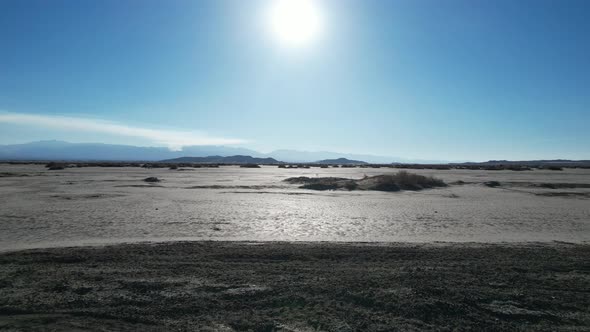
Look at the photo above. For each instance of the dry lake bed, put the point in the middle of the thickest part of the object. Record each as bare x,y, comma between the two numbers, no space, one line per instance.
41,208
229,248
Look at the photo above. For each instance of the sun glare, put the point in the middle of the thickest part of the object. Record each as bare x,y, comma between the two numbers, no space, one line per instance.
295,23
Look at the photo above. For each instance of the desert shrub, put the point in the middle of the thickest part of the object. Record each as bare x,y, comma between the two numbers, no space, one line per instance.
173,166
548,185
519,168
53,166
391,182
492,184
305,180
299,179
151,179
250,166
350,185
555,168
386,186
409,181
402,180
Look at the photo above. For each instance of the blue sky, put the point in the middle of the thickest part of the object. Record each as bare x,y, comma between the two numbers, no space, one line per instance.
442,80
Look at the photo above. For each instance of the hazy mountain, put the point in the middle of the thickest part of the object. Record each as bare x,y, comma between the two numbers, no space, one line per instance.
341,161
218,150
532,163
307,156
59,150
223,160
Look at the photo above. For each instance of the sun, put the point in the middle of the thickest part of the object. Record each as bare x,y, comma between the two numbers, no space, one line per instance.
295,23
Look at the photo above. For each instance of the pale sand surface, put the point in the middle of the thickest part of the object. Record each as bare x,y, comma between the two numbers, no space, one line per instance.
81,206
529,270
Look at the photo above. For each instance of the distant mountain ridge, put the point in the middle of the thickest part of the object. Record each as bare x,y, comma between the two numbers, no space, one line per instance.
65,151
341,161
310,156
238,159
531,163
60,150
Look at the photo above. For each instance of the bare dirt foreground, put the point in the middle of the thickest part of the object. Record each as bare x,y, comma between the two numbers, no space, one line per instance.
226,286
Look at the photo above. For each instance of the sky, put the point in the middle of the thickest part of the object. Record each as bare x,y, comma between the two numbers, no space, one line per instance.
422,79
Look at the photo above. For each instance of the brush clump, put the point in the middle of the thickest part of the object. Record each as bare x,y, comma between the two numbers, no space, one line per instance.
401,180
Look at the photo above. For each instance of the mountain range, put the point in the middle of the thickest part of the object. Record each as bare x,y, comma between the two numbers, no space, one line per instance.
60,150
223,160
65,151
341,161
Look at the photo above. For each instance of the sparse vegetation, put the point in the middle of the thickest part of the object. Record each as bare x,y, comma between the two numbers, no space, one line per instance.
350,185
514,166
554,168
561,185
401,180
12,174
406,181
305,180
53,166
250,166
519,168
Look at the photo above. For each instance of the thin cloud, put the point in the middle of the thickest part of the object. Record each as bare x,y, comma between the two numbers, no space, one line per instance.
173,139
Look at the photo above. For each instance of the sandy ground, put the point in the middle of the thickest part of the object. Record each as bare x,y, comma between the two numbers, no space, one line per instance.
80,206
274,286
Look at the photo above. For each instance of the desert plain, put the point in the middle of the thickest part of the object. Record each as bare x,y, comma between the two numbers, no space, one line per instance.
230,248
